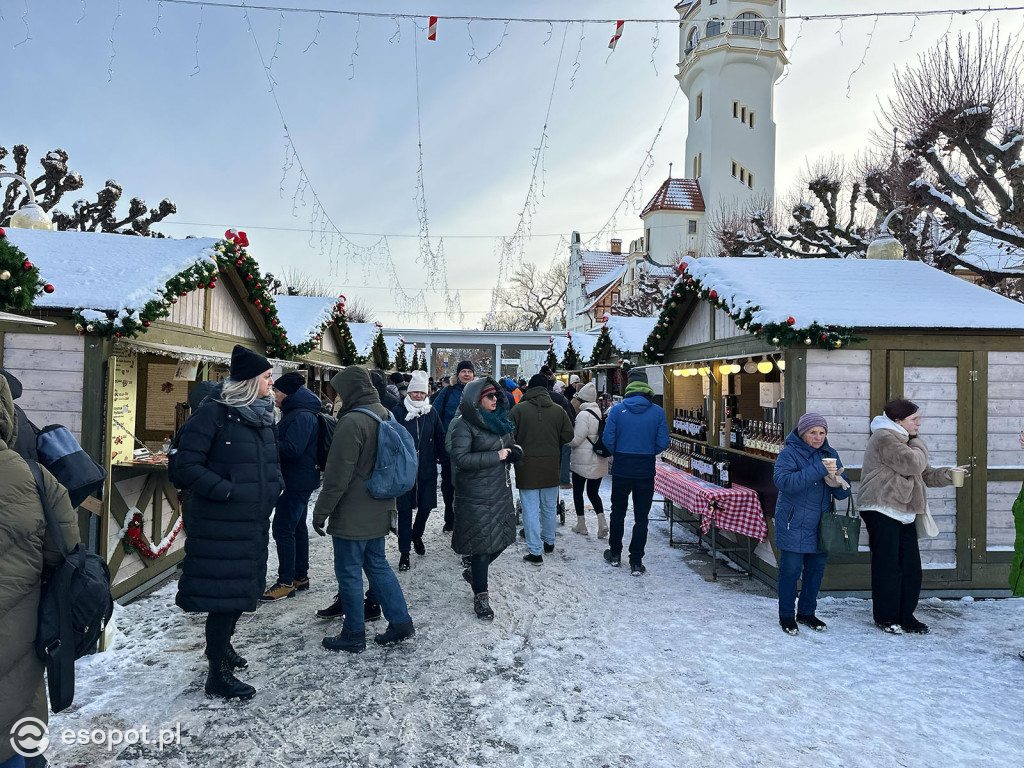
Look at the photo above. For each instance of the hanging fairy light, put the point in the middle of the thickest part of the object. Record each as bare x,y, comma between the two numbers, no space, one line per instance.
765,366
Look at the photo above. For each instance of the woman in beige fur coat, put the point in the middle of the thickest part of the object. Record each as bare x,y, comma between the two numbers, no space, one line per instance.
894,506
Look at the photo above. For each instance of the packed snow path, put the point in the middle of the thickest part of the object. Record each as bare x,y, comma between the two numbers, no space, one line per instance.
583,665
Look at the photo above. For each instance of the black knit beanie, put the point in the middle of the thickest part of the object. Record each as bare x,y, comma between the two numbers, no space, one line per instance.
464,365
246,364
897,410
290,382
538,380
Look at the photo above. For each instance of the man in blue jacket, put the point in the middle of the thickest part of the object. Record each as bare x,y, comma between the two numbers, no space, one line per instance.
636,432
297,434
447,405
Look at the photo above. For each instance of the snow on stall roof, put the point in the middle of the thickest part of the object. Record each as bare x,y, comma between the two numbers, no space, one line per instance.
303,316
858,293
604,280
676,195
629,334
363,335
95,270
583,343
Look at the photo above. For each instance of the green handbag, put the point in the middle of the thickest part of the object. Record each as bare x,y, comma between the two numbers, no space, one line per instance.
839,534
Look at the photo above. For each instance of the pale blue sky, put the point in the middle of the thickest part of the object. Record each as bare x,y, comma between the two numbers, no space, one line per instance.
211,138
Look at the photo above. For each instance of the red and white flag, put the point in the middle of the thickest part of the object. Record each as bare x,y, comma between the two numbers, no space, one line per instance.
432,29
618,33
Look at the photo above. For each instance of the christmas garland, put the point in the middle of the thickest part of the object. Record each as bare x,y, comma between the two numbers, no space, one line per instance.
379,351
401,361
602,347
133,540
19,278
552,359
782,334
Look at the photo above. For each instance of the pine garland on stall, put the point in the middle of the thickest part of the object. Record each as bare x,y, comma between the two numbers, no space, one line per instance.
571,359
401,361
349,354
19,278
602,347
552,359
415,365
379,352
783,334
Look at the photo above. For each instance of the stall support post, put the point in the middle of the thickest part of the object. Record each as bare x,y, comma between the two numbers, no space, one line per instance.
497,361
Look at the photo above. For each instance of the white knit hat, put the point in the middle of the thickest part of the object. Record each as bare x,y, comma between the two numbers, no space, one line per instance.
419,382
574,379
588,393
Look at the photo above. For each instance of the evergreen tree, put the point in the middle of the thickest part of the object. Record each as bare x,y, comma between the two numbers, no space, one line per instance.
379,352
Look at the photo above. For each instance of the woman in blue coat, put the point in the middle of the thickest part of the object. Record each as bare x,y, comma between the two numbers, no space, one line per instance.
807,487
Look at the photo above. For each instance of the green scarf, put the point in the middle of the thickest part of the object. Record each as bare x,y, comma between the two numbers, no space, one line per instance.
497,421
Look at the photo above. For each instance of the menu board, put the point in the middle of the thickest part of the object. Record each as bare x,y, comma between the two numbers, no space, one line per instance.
123,404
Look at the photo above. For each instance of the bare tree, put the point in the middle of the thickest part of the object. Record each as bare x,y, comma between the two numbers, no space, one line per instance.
647,294
57,180
533,299
358,311
294,282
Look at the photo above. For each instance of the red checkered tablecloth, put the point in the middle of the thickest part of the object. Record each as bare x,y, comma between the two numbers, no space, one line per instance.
733,509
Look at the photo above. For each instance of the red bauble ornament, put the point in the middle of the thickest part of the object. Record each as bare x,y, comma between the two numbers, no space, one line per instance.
238,263
824,335
266,310
213,284
117,334
258,285
27,265
791,321
184,293
201,286
3,233
248,277
690,281
145,323
257,302
713,295
48,288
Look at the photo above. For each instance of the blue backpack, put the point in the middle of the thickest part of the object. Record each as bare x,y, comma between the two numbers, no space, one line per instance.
394,472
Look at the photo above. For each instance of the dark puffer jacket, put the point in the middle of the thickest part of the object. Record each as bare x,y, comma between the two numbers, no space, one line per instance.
542,428
25,546
297,434
803,494
232,470
485,518
344,504
429,438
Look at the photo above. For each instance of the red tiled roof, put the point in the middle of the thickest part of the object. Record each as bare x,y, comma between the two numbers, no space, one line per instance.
676,195
597,263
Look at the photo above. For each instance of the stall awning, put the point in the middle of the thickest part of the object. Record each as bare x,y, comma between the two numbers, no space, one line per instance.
190,354
7,317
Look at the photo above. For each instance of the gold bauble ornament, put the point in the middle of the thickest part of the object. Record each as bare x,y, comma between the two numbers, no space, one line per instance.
5,275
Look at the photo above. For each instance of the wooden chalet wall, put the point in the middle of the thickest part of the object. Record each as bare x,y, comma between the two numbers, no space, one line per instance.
51,369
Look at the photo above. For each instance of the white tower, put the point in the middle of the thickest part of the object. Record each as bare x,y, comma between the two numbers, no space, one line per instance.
731,54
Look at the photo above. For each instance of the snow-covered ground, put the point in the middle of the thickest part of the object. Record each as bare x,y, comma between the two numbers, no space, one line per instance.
583,665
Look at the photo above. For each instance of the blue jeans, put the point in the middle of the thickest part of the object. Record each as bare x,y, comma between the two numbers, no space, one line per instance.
292,536
15,761
790,566
642,489
564,472
351,559
540,511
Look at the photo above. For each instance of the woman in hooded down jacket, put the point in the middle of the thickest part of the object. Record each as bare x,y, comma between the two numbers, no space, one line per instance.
480,445
587,467
807,489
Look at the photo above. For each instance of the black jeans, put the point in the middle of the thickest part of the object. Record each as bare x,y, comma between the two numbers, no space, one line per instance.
478,565
642,489
447,492
895,568
220,626
579,482
425,498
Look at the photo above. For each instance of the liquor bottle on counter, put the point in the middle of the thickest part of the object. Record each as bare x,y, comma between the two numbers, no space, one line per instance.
723,473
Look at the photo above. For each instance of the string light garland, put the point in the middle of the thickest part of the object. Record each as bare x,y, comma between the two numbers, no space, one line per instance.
783,334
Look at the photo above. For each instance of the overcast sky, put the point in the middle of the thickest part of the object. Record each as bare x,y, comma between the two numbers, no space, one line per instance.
172,100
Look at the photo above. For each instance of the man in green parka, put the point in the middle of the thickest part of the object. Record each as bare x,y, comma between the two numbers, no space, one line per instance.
25,547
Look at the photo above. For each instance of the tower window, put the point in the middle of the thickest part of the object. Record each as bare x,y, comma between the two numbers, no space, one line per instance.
750,180
695,166
750,115
735,169
714,27
735,109
749,24
743,114
743,174
693,39
700,104
692,226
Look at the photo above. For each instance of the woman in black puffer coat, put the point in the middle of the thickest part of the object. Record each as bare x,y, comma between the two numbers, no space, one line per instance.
227,459
480,444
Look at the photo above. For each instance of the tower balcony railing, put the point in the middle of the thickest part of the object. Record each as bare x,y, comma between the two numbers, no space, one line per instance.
753,44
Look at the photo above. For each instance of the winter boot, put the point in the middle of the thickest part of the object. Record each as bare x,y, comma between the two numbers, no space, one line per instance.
334,611
417,544
234,660
533,559
482,606
811,621
602,527
788,625
403,562
549,548
395,633
613,559
221,682
371,611
353,642
581,526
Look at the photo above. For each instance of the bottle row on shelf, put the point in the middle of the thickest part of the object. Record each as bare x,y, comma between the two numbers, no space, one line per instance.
690,423
759,438
700,460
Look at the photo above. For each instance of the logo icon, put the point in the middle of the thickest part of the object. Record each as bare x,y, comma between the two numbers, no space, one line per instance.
30,737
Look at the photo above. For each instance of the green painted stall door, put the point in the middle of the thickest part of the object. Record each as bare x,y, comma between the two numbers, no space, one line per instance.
941,384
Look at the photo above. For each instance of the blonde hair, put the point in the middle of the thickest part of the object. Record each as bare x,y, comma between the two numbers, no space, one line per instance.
239,394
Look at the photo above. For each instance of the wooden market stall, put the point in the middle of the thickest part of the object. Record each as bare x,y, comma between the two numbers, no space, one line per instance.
322,337
137,322
619,347
749,345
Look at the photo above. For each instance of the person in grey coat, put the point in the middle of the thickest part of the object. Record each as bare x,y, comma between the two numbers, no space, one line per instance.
481,448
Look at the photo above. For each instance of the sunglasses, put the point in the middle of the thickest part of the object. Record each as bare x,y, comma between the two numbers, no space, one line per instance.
490,396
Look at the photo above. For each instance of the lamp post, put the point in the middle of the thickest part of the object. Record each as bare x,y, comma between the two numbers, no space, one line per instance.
885,246
30,215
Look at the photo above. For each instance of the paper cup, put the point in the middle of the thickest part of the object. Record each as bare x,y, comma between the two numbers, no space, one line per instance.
831,465
957,476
